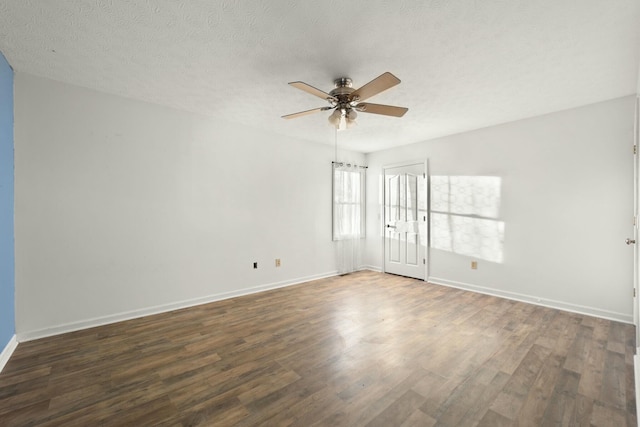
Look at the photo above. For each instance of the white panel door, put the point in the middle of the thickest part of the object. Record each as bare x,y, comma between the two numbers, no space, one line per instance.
405,216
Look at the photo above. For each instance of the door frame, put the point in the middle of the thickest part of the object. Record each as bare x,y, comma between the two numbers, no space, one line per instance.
636,219
636,252
427,183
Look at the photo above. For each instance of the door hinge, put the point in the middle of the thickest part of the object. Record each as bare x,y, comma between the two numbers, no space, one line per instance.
634,292
424,261
424,218
635,149
424,174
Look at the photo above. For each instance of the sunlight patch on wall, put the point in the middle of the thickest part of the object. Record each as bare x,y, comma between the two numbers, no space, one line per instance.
464,212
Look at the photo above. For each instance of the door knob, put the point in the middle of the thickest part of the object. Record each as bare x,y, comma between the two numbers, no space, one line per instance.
630,242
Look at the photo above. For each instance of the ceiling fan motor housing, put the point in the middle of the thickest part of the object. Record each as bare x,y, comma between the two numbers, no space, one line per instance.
342,92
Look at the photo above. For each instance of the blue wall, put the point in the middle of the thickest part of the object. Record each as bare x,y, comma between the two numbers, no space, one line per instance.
7,265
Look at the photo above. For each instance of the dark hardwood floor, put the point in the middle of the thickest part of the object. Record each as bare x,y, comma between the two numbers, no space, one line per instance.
367,349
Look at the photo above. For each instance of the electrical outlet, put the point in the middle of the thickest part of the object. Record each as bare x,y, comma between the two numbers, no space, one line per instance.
255,265
474,265
277,262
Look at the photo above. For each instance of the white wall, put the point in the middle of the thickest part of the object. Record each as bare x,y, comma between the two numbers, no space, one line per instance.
566,203
123,206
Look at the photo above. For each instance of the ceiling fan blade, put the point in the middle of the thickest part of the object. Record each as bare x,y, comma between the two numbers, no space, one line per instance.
304,113
375,86
312,90
386,110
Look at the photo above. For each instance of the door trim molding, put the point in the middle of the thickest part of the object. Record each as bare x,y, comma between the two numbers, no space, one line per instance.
425,168
636,372
636,213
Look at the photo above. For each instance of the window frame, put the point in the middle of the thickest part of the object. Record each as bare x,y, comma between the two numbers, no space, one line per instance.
361,171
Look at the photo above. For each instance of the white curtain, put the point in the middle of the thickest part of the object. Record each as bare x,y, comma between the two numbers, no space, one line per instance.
348,215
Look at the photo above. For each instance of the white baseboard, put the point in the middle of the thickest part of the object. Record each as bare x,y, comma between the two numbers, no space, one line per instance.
560,305
105,320
8,351
371,267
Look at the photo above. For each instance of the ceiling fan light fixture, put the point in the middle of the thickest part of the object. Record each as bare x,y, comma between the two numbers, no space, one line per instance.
343,123
334,118
350,118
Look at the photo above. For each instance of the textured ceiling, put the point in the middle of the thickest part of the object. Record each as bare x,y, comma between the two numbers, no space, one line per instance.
464,64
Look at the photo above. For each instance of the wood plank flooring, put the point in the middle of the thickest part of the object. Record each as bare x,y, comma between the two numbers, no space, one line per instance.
367,349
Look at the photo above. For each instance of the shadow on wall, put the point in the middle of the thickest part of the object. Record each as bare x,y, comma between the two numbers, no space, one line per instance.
464,216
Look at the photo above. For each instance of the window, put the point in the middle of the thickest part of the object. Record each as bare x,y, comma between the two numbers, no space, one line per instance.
348,201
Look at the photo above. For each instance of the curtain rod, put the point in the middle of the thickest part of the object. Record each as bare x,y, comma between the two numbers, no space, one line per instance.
349,165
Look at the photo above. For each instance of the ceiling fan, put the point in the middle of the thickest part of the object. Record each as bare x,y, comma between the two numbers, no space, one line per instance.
345,100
